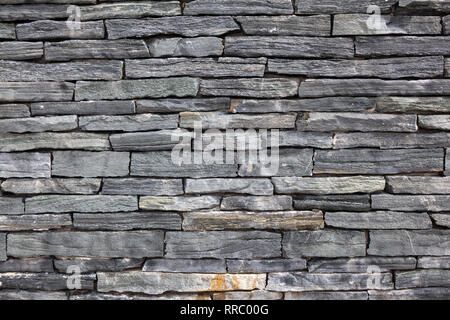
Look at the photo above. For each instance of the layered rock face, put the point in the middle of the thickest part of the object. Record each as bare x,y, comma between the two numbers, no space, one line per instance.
109,111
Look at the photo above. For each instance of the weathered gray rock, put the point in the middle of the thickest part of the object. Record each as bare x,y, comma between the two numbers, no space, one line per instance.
27,265
28,12
237,121
418,185
424,5
83,108
27,165
447,67
27,71
250,87
114,296
34,222
378,220
336,104
95,49
90,164
324,243
46,1
35,91
42,281
248,295
257,203
180,105
132,244
303,281
10,205
187,47
422,278
127,221
182,26
328,185
413,104
305,139
160,164
361,265
178,203
143,186
74,203
236,7
363,24
7,31
94,265
140,122
46,29
47,140
374,161
409,243
349,121
404,46
21,50
433,263
441,219
372,87
327,295
185,265
38,124
130,89
389,68
447,162
435,122
338,6
3,256
32,295
351,202
223,244
151,141
157,282
14,110
434,203
292,47
262,187
264,266
411,294
286,25
446,23
242,220
196,67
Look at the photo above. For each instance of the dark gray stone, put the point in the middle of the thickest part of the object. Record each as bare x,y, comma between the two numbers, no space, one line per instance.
248,295
265,266
411,294
46,29
261,187
139,122
42,281
441,219
27,265
151,141
424,5
418,185
180,105
333,202
34,222
21,50
339,6
94,265
218,120
187,47
32,295
327,295
35,91
26,165
14,110
29,12
433,263
434,122
185,265
143,186
10,205
361,265
53,185
3,256
434,203
83,108
257,203
413,104
38,124
236,7
7,31
305,139
187,203
422,278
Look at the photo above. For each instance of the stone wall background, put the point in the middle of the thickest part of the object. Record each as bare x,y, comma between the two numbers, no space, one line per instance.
358,210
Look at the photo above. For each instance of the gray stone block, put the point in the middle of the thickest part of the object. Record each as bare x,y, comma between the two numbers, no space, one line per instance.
27,265
262,187
143,186
338,6
55,30
93,265
38,124
187,47
42,281
434,203
10,205
350,202
238,7
413,104
185,265
361,265
411,294
21,50
14,110
26,165
265,266
257,203
422,278
418,185
83,108
180,105
35,91
434,122
34,222
140,122
187,203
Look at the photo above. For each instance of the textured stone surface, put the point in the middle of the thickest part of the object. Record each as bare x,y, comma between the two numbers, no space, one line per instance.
3,247
257,203
21,50
83,108
14,110
178,203
237,7
413,104
47,29
418,185
185,265
424,5
267,265
411,203
351,202
361,265
248,295
34,222
433,263
32,295
338,6
87,265
33,12
38,124
326,295
438,122
42,281
422,278
143,186
10,205
35,91
190,47
262,187
27,165
179,105
53,185
441,219
150,141
411,294
27,265
140,122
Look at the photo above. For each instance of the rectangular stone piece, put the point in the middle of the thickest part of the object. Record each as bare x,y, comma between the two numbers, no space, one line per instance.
292,47
21,50
178,203
446,22
250,87
143,186
434,122
223,244
328,185
131,89
182,26
3,256
47,29
27,265
257,203
440,293
418,185
374,161
447,162
34,222
262,187
361,265
83,108
14,110
389,68
433,263
7,31
38,124
132,244
127,221
424,5
244,220
263,266
238,7
42,281
413,104
327,295
88,265
303,281
441,219
422,278
434,203
187,47
373,87
409,243
10,205
54,185
157,283
349,202
140,122
35,91
26,165
33,12
319,25
185,265
75,203
324,243
90,164
404,46
180,105
95,49
350,121
151,141
339,6
378,220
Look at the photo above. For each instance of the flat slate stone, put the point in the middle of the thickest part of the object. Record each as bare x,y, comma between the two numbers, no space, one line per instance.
447,162
32,295
185,265
94,265
55,30
83,108
140,122
186,47
413,104
29,12
424,5
324,243
26,165
242,220
411,294
35,91
327,295
42,281
223,244
262,187
182,26
82,203
361,265
131,89
338,6
34,222
305,139
27,265
350,202
422,278
10,205
180,105
434,122
14,110
446,22
158,282
3,256
434,203
21,50
257,203
236,7
433,263
7,31
374,161
131,244
38,124
441,219
115,296
292,47
178,203
328,185
95,49
248,295
303,281
53,185
143,186
265,266
418,185
409,243
151,141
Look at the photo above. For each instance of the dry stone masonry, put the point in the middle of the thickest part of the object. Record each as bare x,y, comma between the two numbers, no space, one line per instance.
96,94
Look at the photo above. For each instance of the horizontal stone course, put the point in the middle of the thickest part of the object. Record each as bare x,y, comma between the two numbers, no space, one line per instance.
55,30
434,203
34,222
236,7
83,108
26,165
42,281
21,50
190,47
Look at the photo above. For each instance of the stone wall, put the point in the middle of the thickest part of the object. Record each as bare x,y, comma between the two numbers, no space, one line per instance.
93,205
